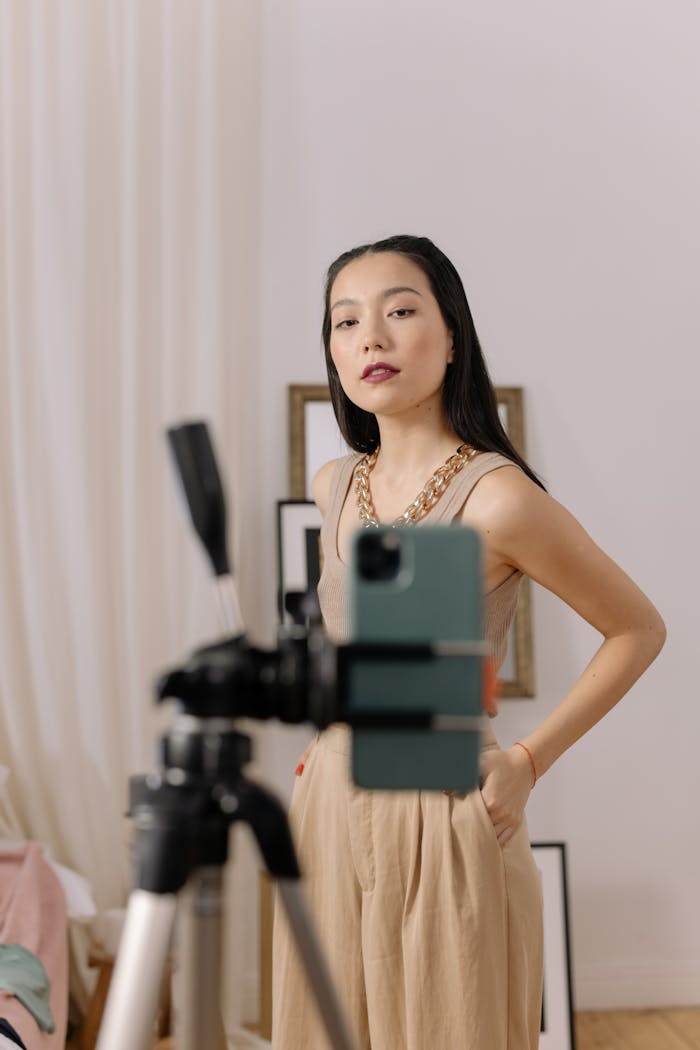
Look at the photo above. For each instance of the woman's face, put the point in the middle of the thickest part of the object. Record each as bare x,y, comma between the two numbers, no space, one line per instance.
389,341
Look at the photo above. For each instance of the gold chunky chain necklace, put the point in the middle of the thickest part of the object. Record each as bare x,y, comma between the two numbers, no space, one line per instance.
426,498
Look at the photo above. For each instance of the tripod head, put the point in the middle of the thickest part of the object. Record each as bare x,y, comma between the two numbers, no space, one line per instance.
231,678
305,679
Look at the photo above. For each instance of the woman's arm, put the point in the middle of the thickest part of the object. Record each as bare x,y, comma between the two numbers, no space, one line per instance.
526,528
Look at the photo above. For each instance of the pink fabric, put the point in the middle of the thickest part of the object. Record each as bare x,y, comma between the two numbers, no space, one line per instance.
33,914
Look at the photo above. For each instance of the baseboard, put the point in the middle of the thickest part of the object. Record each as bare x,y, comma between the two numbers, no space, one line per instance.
635,986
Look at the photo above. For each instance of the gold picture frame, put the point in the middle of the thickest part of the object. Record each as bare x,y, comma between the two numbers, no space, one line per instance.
311,413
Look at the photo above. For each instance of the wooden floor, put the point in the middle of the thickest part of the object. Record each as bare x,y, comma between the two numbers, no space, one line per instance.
639,1030
626,1030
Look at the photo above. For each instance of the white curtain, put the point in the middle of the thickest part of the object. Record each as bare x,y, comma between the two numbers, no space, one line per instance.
127,270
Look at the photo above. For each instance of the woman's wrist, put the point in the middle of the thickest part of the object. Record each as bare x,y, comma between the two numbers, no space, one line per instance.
529,757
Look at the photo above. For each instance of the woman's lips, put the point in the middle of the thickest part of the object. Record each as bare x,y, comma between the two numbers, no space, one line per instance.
378,373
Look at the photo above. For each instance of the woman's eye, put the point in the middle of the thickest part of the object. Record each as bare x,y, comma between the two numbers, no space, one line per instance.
346,323
402,311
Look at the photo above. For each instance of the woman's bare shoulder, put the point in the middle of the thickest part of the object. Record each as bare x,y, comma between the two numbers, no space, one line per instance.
505,491
321,484
505,505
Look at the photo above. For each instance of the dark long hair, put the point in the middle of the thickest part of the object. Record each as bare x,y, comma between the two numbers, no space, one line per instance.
468,394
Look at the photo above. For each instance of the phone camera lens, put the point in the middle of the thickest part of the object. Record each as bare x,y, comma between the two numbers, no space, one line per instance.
379,556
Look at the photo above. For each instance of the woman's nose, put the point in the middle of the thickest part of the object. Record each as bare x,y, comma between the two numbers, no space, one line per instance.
373,337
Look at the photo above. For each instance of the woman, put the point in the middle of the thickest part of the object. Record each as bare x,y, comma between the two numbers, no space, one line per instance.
429,905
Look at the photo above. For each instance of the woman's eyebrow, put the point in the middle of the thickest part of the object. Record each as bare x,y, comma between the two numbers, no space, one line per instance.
399,288
343,302
386,294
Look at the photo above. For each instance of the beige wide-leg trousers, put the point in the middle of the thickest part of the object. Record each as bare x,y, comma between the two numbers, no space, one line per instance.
433,931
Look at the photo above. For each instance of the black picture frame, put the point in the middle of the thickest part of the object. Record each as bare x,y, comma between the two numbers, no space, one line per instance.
298,549
557,1029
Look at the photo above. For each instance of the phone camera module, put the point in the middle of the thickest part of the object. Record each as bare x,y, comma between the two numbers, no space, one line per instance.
379,556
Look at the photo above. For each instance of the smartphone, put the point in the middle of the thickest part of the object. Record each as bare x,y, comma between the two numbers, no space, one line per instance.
416,585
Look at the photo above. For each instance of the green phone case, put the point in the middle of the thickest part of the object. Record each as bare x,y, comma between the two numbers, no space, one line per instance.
436,595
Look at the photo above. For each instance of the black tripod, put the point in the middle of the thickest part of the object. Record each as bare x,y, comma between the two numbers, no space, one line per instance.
183,814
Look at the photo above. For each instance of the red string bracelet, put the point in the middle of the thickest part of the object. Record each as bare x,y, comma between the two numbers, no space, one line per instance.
532,761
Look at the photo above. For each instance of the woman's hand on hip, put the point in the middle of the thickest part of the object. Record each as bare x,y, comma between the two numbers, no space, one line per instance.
506,783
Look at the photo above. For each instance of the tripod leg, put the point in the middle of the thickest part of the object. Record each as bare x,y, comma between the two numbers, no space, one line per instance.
311,954
197,1006
138,973
268,822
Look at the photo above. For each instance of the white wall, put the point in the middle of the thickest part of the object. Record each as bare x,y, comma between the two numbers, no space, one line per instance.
551,149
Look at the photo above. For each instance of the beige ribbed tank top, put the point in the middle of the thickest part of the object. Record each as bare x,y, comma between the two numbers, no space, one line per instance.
499,604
